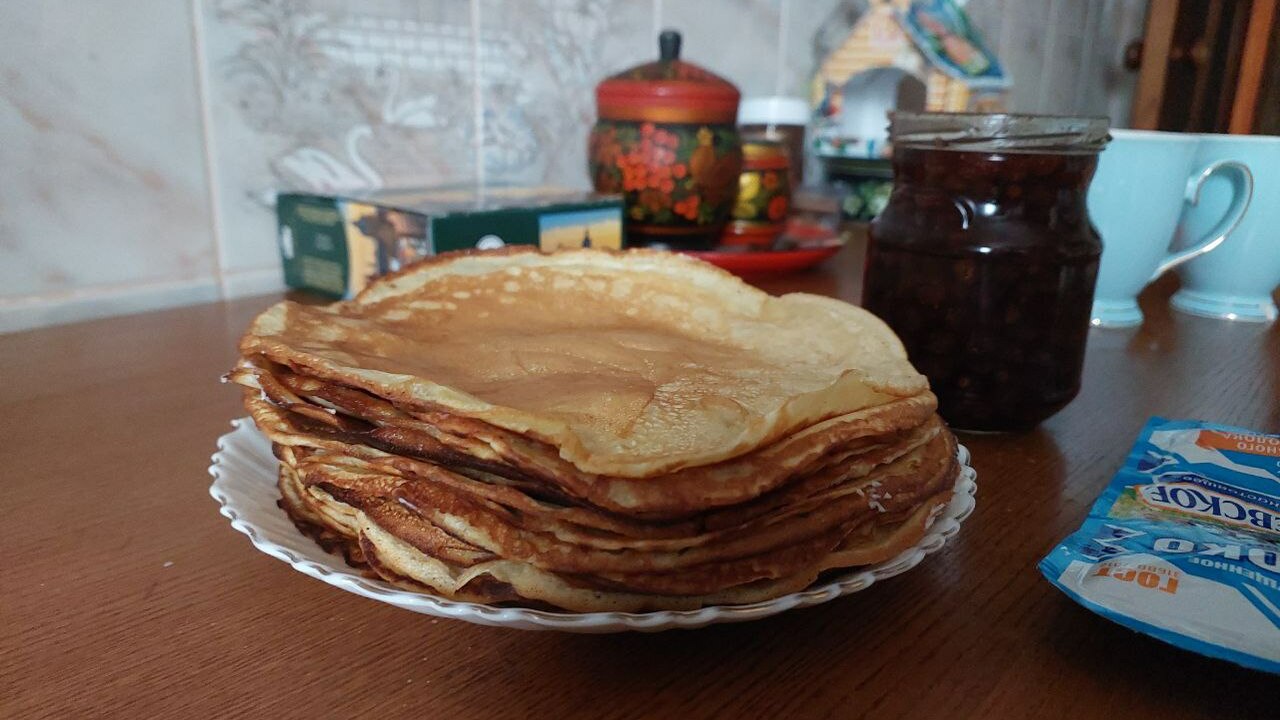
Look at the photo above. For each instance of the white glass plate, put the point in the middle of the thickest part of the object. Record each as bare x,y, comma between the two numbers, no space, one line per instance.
244,484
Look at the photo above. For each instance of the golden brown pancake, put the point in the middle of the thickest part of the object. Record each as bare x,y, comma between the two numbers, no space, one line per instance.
455,534
547,540
595,431
631,364
512,582
347,416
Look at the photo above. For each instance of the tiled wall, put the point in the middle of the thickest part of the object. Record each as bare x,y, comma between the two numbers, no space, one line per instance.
104,205
140,141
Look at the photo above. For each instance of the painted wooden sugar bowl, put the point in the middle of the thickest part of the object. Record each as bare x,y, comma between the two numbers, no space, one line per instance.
666,140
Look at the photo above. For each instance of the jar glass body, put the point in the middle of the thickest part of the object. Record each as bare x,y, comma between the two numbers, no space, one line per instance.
984,263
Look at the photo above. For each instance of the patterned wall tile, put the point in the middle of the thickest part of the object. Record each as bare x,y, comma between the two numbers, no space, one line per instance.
328,95
1064,55
104,204
101,163
813,28
540,61
737,39
1111,85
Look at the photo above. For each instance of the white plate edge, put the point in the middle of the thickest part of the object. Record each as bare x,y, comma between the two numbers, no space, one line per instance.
944,527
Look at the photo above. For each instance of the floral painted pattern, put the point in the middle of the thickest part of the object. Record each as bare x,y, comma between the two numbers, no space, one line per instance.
763,196
335,96
669,174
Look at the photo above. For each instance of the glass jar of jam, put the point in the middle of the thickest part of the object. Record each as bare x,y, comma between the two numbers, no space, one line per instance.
984,260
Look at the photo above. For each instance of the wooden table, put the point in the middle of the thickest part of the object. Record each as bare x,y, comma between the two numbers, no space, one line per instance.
125,594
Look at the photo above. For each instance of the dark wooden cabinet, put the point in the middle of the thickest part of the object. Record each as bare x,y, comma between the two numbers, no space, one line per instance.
1208,66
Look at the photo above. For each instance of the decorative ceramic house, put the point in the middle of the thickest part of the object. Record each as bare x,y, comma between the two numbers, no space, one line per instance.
902,54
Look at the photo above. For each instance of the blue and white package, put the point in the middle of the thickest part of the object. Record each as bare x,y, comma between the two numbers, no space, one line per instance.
1184,544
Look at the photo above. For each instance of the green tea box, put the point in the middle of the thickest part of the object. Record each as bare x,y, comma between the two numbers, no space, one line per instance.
335,245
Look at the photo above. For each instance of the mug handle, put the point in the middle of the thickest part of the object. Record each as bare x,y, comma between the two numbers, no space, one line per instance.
1239,204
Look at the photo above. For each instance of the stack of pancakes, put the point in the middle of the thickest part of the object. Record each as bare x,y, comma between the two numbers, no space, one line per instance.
595,431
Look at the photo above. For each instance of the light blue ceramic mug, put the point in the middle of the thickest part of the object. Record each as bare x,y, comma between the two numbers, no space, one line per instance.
1143,181
1237,279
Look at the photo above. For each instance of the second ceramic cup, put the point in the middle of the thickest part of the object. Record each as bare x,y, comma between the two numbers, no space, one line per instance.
1143,182
1235,282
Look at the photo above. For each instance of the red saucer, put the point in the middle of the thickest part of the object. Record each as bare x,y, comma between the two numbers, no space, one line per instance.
806,244
768,262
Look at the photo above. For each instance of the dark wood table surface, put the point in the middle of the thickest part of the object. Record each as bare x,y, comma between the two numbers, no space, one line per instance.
125,594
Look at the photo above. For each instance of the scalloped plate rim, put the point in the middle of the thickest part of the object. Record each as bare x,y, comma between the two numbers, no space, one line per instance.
236,506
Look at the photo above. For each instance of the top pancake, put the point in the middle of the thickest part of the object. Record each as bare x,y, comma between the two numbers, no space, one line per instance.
631,364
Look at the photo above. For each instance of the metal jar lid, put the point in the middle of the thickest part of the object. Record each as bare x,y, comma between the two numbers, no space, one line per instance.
1000,132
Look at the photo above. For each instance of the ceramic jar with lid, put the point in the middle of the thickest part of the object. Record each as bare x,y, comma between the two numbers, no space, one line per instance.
666,140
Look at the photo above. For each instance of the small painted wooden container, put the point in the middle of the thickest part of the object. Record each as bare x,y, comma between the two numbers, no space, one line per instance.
764,196
666,140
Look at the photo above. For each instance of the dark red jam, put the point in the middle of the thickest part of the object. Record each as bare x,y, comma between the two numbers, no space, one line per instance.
984,264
